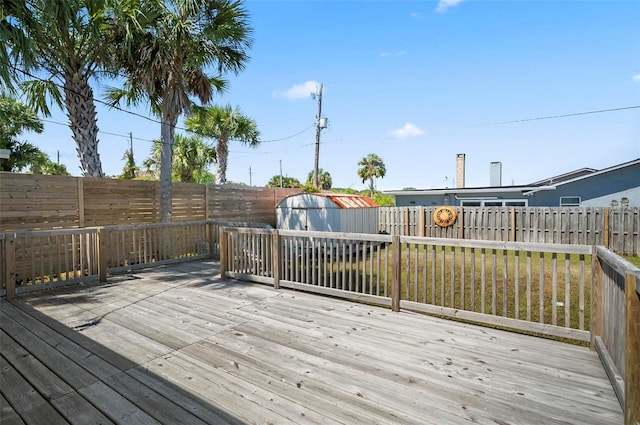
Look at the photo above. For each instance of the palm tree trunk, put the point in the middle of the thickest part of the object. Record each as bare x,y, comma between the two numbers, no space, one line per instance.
222,152
371,186
81,111
169,120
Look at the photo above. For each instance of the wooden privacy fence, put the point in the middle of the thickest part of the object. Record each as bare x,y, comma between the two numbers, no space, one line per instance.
615,228
570,291
37,202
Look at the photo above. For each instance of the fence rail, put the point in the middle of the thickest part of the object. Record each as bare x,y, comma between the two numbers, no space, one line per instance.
615,228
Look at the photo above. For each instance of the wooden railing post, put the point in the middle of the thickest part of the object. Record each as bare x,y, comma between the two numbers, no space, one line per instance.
596,298
632,351
10,265
396,274
103,254
421,222
224,252
605,231
277,246
461,223
211,237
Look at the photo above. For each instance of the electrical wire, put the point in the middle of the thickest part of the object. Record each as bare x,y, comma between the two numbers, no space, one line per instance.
15,68
575,114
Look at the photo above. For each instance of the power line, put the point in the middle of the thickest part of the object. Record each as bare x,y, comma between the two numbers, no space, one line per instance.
135,113
126,136
562,116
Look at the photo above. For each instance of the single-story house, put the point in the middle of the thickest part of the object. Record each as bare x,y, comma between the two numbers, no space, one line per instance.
586,187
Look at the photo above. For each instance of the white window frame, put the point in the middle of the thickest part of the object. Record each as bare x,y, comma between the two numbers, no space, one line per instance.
571,204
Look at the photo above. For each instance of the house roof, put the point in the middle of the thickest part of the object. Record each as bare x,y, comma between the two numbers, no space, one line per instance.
595,173
564,177
458,190
547,184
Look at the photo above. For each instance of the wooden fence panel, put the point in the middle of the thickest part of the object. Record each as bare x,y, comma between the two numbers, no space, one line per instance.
189,202
112,202
36,202
616,228
625,230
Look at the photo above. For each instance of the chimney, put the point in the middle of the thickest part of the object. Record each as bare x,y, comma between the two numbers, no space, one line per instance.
460,170
495,174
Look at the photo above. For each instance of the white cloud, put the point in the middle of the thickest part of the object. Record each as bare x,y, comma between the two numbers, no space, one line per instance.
389,54
409,130
415,15
298,91
443,5
636,78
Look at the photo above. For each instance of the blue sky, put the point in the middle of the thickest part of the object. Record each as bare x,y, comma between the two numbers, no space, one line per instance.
417,82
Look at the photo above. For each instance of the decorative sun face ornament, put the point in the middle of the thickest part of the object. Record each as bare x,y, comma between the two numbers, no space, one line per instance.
444,216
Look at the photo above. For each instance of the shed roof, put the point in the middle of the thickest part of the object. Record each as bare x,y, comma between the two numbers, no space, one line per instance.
340,200
345,200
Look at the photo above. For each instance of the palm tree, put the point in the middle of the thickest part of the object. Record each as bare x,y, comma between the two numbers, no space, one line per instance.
191,158
16,118
130,169
223,124
371,167
283,181
324,179
168,61
42,164
66,43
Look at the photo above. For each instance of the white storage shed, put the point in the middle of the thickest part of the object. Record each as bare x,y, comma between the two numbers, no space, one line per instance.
328,212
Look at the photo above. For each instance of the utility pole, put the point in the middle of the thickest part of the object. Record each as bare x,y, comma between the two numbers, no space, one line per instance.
133,161
322,123
280,174
250,183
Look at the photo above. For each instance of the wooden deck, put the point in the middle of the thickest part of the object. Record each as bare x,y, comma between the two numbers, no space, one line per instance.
179,345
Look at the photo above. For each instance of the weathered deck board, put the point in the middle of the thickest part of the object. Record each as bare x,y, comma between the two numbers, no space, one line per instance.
179,345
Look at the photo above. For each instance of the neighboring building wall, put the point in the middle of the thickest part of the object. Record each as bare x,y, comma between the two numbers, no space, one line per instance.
424,200
596,191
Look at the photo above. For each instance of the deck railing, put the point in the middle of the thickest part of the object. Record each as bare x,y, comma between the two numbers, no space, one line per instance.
616,327
570,291
577,292
36,260
533,287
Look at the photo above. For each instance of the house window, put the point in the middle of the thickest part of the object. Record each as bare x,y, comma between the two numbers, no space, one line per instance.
471,203
515,203
494,202
570,201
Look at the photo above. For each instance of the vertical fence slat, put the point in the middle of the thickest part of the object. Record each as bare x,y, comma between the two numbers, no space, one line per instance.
632,350
396,273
